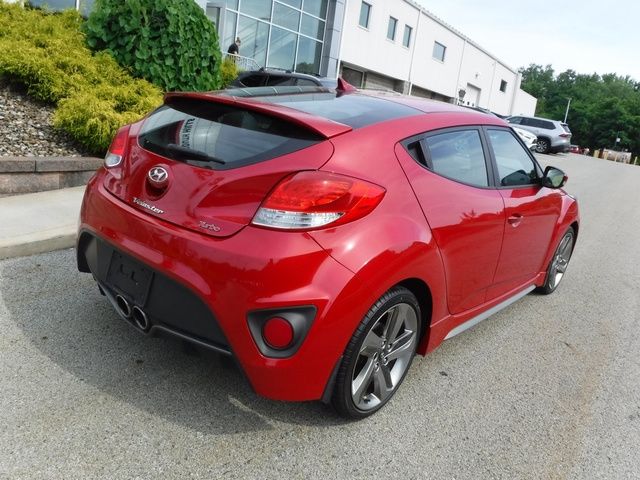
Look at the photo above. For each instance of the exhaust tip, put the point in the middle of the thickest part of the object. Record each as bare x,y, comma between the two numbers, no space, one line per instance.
140,318
123,306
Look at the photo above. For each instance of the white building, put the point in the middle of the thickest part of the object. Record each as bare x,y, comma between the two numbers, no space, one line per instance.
391,44
398,45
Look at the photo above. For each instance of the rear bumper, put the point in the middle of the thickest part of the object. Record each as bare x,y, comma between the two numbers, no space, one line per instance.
560,149
222,280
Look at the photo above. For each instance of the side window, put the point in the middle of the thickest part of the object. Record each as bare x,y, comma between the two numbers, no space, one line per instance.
253,80
548,125
280,81
305,82
515,167
459,156
529,122
516,120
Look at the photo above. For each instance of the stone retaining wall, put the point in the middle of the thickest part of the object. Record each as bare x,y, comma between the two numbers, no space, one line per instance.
36,174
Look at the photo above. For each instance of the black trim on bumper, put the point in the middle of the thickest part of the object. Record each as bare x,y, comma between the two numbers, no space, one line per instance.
171,307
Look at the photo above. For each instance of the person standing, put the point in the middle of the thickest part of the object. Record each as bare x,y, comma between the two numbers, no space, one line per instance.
234,48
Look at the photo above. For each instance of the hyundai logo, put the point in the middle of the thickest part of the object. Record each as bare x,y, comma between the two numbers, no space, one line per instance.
158,176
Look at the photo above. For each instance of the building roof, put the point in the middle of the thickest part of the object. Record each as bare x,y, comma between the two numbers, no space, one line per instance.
458,33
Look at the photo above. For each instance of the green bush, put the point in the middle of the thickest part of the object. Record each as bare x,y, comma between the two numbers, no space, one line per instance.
47,54
228,72
168,42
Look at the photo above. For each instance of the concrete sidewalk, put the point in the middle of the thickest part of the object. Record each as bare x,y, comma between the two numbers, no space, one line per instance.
39,222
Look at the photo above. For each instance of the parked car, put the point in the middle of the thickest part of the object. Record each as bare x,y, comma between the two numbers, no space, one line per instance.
553,136
575,149
278,78
529,139
324,244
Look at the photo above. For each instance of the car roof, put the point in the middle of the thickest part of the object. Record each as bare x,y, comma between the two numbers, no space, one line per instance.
537,118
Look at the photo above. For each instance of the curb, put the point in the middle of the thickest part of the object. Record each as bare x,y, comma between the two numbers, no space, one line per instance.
31,244
39,222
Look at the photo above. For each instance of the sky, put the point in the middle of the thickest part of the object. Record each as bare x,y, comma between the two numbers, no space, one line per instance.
586,36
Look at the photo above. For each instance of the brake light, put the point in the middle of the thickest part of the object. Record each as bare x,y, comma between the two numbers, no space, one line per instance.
308,200
565,135
118,148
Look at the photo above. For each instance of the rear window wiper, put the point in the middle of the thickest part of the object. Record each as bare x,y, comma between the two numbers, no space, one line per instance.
187,153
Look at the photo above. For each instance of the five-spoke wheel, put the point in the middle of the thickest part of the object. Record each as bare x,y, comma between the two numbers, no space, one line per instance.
559,262
378,355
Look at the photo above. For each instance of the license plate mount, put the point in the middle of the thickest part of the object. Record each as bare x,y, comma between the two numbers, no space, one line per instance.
130,278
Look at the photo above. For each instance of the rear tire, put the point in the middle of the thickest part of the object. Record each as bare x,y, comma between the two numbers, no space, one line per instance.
378,356
559,262
543,145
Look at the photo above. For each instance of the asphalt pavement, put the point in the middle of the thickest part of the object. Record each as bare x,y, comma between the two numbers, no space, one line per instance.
548,388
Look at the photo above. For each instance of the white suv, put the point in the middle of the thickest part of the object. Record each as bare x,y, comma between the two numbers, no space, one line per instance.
553,135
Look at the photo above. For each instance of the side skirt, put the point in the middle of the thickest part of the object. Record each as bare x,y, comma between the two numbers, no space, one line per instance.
487,313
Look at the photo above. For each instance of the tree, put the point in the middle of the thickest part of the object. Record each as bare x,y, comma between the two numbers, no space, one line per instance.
603,108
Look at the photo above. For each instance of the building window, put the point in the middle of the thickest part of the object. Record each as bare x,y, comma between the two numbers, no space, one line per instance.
391,29
406,40
365,13
503,85
285,34
439,51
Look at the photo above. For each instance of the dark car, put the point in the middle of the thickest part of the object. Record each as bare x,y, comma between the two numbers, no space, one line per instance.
323,237
280,78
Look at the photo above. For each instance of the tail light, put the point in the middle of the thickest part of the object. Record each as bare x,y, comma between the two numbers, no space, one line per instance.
118,148
308,200
565,135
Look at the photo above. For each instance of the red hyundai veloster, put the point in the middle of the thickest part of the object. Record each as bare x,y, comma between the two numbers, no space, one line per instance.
321,237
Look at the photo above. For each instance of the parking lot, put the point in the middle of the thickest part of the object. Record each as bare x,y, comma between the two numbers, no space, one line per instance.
548,388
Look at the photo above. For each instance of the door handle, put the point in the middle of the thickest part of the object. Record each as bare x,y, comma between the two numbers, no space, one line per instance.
515,219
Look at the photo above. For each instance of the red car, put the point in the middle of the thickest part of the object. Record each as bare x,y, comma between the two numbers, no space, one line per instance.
321,237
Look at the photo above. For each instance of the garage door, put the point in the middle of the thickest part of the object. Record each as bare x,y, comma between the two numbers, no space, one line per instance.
378,82
472,97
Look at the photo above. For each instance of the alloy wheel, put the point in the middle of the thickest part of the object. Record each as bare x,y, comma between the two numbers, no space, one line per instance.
560,261
384,356
542,146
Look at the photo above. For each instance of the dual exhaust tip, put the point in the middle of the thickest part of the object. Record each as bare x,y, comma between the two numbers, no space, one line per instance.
133,312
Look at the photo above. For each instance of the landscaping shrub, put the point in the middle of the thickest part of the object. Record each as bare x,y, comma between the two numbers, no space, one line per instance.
47,54
168,42
228,72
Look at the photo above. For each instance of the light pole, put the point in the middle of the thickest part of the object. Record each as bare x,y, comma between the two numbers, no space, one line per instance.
566,113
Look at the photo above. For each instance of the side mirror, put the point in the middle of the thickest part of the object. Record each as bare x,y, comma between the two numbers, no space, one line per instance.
554,178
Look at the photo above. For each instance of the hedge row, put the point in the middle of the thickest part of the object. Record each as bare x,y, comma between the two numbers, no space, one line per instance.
47,54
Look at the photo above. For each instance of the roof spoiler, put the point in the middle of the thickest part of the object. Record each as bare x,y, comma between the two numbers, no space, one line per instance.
320,125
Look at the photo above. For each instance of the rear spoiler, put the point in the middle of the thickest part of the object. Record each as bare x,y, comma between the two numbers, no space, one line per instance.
322,126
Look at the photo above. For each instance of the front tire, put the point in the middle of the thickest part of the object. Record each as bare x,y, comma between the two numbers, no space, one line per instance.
378,356
559,262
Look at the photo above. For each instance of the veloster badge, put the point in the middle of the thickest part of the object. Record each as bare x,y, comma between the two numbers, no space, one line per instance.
148,206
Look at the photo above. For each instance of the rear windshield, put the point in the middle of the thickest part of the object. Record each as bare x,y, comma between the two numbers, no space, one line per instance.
211,135
566,127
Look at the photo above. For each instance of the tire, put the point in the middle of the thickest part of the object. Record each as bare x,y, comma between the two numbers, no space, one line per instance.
543,145
559,262
378,356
